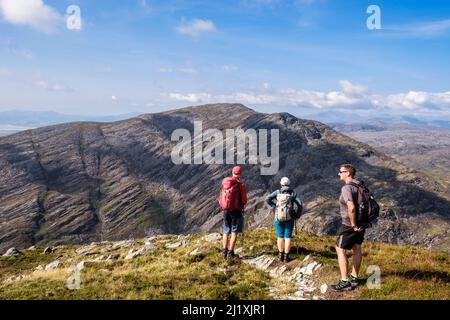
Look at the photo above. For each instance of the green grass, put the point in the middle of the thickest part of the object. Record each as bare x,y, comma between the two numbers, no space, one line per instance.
406,272
42,231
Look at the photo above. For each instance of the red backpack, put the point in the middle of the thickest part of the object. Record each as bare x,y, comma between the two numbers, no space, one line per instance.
230,195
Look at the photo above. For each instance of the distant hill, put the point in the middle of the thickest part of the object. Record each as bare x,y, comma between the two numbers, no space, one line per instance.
89,181
13,121
421,147
337,117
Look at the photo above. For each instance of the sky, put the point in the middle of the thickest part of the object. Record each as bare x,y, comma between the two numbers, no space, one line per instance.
306,57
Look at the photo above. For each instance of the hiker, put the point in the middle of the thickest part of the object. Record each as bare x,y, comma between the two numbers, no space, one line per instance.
284,216
350,234
232,200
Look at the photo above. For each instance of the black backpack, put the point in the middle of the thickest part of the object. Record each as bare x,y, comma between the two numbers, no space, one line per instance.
368,209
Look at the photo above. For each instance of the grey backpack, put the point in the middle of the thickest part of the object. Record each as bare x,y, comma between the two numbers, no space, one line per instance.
284,209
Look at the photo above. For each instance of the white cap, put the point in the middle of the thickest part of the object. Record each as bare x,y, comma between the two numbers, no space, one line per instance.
285,181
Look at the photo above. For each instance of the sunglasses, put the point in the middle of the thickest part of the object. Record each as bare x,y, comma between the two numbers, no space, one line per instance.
342,172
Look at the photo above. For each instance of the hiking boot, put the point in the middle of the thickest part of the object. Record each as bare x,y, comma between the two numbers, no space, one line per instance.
281,256
225,253
354,281
230,254
286,257
342,286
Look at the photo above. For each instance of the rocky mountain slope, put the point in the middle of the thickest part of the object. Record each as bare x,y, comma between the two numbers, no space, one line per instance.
87,181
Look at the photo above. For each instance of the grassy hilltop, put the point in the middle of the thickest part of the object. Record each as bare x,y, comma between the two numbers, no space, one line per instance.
190,267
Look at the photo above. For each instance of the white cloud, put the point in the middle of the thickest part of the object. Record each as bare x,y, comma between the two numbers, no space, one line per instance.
176,70
196,27
57,87
114,98
191,97
424,29
266,85
34,13
230,68
186,70
351,97
419,100
351,89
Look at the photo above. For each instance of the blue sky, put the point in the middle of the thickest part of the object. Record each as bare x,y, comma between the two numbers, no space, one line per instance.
302,56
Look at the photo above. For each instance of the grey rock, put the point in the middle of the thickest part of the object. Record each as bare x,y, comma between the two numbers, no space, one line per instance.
212,237
196,251
81,265
12,252
173,245
48,250
310,268
148,246
52,265
113,257
133,253
278,271
263,262
299,293
123,244
84,250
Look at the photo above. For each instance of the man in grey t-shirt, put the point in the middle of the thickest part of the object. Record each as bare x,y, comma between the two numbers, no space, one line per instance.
348,192
350,235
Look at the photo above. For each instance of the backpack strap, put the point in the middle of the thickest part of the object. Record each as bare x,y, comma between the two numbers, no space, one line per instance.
358,197
290,192
351,183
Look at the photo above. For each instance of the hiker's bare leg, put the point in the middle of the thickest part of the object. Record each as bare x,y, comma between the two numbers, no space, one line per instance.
233,241
287,245
342,260
357,258
225,240
280,244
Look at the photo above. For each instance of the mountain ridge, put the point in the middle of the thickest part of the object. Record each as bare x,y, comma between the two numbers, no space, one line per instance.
89,181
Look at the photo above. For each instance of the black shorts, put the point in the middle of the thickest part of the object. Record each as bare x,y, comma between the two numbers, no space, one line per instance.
347,237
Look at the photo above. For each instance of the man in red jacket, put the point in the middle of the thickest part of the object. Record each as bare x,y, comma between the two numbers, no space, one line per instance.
233,198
